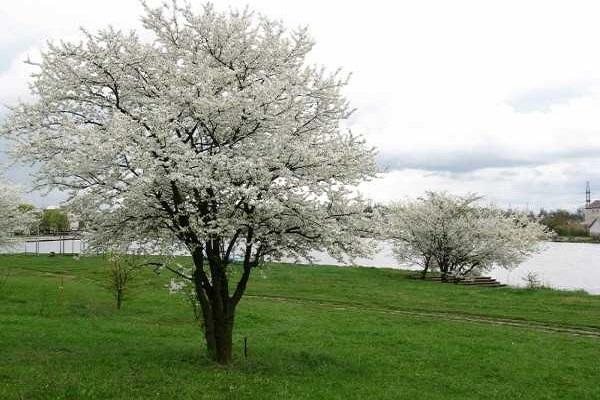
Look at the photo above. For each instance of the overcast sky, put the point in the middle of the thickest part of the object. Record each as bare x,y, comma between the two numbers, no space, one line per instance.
501,98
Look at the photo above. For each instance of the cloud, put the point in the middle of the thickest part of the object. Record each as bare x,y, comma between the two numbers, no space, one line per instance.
461,161
551,186
489,97
543,98
14,80
9,53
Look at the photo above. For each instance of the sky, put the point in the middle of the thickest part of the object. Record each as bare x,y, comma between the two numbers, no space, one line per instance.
500,98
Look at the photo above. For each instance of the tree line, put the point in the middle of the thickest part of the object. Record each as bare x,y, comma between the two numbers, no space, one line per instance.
565,223
48,221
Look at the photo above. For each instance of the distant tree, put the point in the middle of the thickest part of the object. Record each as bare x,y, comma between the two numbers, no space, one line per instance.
219,136
25,207
457,236
565,223
34,216
53,221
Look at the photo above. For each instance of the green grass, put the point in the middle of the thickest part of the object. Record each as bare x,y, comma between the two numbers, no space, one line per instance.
71,343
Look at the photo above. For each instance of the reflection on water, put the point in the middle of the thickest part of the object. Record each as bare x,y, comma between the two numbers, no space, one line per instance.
559,265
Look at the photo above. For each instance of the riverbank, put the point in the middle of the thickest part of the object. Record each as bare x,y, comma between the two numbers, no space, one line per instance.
313,332
568,266
577,239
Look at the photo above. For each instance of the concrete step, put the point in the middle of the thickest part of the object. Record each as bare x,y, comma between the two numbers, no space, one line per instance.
482,281
477,283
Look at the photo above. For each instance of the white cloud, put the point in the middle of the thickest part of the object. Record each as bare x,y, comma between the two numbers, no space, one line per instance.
14,81
550,186
499,98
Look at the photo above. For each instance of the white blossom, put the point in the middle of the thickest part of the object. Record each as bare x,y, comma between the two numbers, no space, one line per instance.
458,236
13,219
176,285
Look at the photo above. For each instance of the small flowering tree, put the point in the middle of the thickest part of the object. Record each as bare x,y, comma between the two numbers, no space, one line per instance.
458,236
121,269
216,137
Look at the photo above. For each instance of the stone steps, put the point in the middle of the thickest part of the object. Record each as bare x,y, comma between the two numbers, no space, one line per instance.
482,281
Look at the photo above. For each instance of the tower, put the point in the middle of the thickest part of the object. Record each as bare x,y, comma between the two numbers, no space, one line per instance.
588,194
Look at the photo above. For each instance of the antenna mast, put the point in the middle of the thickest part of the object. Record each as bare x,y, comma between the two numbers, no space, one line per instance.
588,194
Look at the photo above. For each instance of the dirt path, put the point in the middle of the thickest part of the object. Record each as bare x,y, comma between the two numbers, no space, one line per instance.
449,316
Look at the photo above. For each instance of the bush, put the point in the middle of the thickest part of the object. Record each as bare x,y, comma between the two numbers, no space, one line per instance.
532,280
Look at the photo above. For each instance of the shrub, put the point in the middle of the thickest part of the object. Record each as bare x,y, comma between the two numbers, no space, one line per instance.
121,269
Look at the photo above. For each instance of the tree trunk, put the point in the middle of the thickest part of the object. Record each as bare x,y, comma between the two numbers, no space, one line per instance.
218,307
424,272
223,338
119,299
217,311
218,331
444,272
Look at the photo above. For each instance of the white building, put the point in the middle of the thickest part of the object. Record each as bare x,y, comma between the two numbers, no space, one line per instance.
591,213
595,227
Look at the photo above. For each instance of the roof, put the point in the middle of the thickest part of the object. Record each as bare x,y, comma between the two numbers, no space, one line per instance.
594,204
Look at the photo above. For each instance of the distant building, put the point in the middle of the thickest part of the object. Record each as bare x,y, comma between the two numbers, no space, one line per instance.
595,227
591,213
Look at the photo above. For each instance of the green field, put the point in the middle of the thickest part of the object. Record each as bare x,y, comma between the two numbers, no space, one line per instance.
313,333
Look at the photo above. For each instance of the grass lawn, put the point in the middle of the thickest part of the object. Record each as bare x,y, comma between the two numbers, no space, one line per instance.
62,338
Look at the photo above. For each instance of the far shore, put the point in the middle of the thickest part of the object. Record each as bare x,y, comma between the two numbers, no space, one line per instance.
577,239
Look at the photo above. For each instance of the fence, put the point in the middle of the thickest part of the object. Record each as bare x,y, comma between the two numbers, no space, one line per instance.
68,243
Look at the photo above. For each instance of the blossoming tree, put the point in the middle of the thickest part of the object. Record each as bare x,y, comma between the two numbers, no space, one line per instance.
459,236
217,136
13,217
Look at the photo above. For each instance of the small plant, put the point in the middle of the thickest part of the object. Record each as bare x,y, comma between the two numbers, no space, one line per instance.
121,269
532,280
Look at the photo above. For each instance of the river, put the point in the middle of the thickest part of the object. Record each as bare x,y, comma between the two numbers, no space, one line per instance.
558,265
